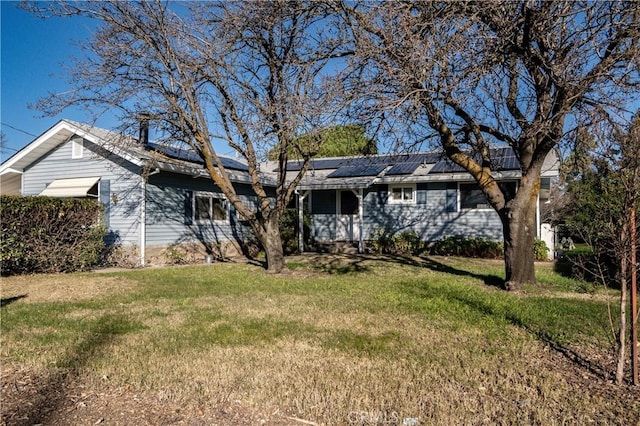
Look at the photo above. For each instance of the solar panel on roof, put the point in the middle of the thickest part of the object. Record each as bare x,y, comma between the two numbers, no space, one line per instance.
503,158
403,169
318,164
360,170
186,154
446,166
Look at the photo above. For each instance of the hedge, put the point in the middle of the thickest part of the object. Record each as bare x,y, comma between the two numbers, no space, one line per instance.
43,234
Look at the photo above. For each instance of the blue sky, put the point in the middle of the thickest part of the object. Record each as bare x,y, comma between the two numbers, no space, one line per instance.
33,51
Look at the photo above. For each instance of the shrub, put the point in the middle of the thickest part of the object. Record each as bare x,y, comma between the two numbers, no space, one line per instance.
407,242
468,247
175,255
479,247
385,242
540,250
43,234
289,230
381,240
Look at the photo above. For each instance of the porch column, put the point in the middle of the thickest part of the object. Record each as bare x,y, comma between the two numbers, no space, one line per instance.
360,219
301,197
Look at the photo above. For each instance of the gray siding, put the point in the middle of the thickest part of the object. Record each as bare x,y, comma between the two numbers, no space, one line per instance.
124,184
323,217
431,216
169,212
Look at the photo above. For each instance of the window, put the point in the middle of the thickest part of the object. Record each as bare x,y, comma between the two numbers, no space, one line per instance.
348,203
209,207
77,148
472,197
402,194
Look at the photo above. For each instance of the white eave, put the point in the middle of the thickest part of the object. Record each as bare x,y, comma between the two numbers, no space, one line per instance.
60,133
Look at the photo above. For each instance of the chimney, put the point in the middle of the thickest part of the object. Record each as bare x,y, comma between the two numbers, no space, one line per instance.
143,138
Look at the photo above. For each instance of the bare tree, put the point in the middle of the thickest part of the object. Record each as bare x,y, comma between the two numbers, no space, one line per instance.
602,192
249,75
472,74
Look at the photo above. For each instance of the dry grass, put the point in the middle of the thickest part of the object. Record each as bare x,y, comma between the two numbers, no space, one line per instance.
64,287
336,341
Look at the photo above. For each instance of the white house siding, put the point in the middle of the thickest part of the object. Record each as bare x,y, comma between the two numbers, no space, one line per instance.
124,183
169,212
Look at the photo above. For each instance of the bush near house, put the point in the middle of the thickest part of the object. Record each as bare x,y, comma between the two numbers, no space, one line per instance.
289,230
43,234
403,243
467,247
479,247
409,243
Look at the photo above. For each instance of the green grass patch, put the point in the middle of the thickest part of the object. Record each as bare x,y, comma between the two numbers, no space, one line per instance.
433,338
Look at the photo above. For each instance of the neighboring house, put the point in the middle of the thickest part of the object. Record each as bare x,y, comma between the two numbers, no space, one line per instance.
153,196
349,199
156,196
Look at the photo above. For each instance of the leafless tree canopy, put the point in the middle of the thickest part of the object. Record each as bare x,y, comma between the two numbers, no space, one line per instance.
250,75
472,74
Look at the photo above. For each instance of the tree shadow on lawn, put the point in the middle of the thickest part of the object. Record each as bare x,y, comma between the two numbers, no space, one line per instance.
8,300
52,391
434,265
348,264
512,316
340,264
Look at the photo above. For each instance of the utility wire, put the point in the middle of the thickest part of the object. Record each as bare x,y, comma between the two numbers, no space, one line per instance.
18,130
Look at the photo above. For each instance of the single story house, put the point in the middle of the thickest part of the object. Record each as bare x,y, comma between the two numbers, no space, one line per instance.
351,198
156,196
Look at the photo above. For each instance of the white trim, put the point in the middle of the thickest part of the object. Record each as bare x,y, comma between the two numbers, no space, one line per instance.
360,196
77,148
301,198
211,195
62,132
143,220
10,170
402,187
538,224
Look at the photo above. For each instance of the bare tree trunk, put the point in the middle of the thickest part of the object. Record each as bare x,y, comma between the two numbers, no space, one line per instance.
519,238
622,330
519,228
268,233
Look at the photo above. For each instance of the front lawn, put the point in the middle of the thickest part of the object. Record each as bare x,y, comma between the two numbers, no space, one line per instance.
337,340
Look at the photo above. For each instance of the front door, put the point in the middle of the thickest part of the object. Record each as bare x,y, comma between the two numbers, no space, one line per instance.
347,218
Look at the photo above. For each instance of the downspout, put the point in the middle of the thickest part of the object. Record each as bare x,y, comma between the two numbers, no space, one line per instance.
538,233
143,220
143,214
360,221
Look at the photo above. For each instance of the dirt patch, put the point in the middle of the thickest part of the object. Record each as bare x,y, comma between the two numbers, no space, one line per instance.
31,397
61,287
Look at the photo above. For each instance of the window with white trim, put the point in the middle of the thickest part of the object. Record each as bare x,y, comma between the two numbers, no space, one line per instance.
77,148
208,207
402,194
